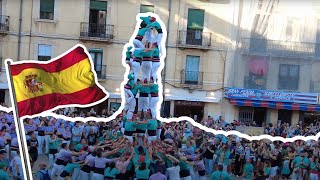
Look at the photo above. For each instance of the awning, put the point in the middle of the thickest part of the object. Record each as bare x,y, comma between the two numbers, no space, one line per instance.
275,105
199,96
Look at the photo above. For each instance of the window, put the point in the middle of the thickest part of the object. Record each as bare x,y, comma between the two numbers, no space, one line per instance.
98,19
146,8
195,26
44,52
114,106
96,55
288,77
254,116
46,9
192,70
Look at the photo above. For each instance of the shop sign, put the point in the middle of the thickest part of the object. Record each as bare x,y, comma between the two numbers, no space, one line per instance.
276,96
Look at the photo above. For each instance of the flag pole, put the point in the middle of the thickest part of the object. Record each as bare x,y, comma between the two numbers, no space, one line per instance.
20,131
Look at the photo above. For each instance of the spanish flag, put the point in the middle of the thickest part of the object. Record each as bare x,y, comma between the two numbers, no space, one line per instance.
68,80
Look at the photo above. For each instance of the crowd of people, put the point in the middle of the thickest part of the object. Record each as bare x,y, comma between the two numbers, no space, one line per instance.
105,150
10,161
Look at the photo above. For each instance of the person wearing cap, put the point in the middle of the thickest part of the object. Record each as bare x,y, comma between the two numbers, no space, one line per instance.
248,170
219,174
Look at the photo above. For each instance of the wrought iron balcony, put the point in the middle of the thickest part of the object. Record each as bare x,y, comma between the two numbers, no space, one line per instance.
191,78
4,24
96,32
195,39
280,48
101,71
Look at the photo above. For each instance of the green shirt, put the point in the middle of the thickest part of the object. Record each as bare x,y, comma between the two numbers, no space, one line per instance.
135,88
142,126
4,175
217,175
155,25
130,126
183,165
248,170
55,144
142,31
142,174
148,54
154,88
156,52
267,171
306,161
138,53
152,124
144,89
111,172
70,167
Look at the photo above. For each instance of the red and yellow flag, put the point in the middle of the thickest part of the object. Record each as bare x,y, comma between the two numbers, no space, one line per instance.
65,81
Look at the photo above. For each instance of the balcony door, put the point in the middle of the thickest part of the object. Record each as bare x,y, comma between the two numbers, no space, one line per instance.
195,27
192,70
96,55
97,18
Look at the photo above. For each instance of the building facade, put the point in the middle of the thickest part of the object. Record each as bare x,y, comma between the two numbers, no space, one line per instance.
200,35
274,77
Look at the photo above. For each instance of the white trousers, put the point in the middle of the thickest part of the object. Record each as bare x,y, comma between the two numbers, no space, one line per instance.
56,170
97,176
131,107
52,158
75,173
83,175
159,133
138,44
41,141
136,70
153,106
154,69
146,67
159,40
314,176
143,104
47,140
151,139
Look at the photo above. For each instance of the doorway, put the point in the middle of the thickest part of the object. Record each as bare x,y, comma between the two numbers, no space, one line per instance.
97,18
259,115
189,108
284,116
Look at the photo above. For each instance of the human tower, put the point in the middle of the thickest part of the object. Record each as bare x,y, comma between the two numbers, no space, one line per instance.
144,61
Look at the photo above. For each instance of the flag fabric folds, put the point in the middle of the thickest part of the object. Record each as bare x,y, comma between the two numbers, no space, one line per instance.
64,81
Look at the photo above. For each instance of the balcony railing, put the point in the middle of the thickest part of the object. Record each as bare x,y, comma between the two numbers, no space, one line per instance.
100,32
194,39
4,24
101,71
280,48
191,78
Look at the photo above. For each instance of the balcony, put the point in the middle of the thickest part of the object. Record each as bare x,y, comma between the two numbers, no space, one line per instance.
96,32
191,79
255,82
280,48
4,25
194,39
101,71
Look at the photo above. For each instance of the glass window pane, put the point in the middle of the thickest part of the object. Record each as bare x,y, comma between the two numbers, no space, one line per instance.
195,18
146,8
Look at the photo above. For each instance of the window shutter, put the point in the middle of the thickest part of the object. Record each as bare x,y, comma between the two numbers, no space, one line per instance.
47,6
99,5
146,8
195,19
